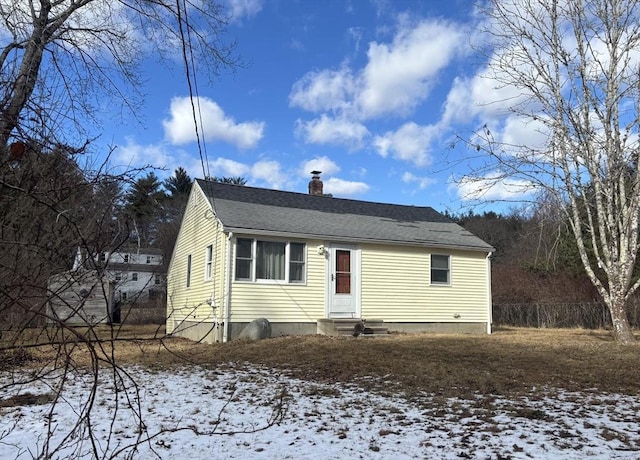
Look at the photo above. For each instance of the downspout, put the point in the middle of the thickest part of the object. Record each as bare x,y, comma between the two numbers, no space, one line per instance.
489,299
227,294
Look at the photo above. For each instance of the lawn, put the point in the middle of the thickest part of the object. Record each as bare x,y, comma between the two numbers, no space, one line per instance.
519,393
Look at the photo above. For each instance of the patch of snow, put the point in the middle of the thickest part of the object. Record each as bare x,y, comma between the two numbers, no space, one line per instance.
199,413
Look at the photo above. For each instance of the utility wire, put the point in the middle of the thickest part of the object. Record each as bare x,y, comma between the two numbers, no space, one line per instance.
187,57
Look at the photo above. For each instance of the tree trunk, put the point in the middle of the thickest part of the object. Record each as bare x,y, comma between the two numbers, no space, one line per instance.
621,328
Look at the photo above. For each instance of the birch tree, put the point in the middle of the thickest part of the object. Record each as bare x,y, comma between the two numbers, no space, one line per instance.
569,71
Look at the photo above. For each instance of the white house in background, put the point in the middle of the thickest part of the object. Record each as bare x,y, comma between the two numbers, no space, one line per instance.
138,274
81,297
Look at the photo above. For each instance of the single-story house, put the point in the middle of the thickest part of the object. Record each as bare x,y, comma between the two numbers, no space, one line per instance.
307,262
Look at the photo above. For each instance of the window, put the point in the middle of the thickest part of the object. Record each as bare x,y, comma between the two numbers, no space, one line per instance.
296,262
244,260
270,260
148,259
343,271
103,257
258,260
440,270
134,276
118,276
126,258
158,279
208,266
123,295
189,270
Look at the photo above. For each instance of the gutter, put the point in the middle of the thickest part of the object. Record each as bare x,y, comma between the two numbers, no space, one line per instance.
227,296
489,295
310,236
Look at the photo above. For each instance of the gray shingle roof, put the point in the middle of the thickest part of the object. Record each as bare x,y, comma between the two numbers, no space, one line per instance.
264,211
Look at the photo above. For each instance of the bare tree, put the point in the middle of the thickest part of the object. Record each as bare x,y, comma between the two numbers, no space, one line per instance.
59,59
569,71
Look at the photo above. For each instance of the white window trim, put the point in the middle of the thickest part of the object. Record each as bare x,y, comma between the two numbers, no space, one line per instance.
208,263
287,268
449,271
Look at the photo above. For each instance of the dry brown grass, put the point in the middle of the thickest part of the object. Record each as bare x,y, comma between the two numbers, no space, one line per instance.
509,361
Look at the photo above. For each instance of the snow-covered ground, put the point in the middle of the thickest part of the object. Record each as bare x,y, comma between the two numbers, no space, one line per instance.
196,413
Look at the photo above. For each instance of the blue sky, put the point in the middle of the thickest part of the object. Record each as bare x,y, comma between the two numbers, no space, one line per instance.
370,92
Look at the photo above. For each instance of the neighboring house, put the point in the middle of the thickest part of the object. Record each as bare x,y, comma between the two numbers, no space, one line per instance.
92,293
138,274
81,297
304,261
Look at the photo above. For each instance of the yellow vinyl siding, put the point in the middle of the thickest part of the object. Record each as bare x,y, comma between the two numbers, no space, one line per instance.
283,302
396,286
199,229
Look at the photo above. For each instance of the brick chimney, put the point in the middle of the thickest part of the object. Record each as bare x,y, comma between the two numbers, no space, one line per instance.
315,185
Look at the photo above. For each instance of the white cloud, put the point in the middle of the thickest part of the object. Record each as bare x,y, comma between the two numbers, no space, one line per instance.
400,75
135,155
161,156
341,187
355,35
492,187
323,164
296,45
224,167
269,172
518,131
481,95
165,159
180,128
397,77
18,17
326,90
409,143
423,182
244,8
336,131
263,173
361,171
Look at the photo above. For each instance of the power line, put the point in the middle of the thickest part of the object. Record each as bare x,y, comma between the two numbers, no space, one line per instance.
189,66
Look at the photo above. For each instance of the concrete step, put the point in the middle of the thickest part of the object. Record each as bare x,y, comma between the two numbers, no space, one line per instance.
347,327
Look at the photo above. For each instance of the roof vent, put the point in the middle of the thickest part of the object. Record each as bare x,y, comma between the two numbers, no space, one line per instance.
315,185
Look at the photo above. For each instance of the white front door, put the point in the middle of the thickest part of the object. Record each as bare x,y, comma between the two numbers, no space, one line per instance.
343,281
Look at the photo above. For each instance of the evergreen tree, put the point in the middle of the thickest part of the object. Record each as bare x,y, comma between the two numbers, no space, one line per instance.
145,206
179,183
235,180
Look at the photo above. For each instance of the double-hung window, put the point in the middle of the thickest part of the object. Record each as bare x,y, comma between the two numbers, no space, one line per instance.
244,259
208,265
258,260
440,269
